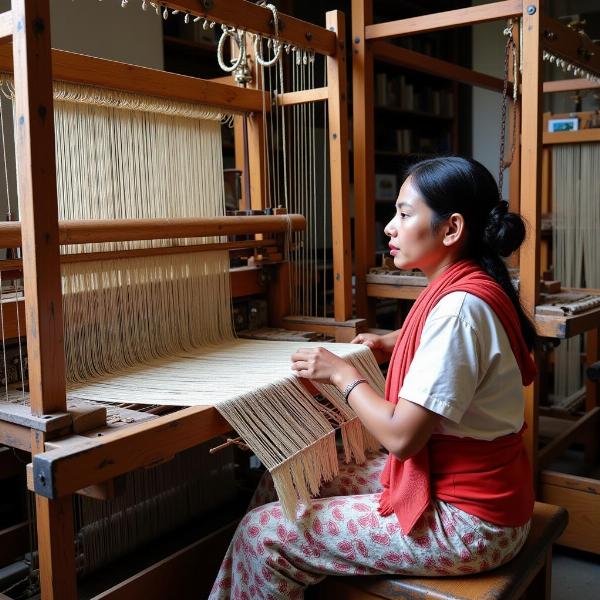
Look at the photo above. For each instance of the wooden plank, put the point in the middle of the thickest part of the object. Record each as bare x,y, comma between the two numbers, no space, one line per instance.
559,444
61,472
581,497
14,542
13,327
569,45
339,170
246,281
363,144
6,27
343,332
36,183
461,17
417,61
15,436
581,136
568,85
257,163
531,154
88,70
303,96
399,292
120,230
257,19
20,414
566,327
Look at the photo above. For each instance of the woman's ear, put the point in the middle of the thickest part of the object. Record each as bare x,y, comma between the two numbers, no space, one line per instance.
455,230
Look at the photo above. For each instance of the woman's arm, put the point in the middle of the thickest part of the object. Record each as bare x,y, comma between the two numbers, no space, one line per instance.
403,429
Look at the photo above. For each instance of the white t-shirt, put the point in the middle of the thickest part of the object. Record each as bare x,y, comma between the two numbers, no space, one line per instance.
464,369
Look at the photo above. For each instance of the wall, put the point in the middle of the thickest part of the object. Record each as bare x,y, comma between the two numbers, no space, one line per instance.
488,57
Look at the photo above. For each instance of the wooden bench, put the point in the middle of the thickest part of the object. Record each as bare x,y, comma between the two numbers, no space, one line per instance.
530,571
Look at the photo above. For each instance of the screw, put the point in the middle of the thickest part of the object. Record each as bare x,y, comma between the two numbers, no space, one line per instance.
42,479
357,40
531,9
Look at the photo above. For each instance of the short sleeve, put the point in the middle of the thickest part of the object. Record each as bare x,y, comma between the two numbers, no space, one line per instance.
445,370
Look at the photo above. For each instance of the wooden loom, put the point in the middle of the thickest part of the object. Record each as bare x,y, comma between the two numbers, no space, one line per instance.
77,464
538,33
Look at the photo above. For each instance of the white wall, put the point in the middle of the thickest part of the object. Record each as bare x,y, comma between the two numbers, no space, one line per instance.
488,57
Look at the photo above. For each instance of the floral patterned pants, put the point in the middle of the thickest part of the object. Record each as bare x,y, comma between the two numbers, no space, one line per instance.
342,533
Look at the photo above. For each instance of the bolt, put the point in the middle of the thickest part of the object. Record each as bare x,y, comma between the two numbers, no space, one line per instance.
531,9
334,136
42,479
357,40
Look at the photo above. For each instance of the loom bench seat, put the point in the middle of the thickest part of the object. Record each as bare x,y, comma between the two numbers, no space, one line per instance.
529,572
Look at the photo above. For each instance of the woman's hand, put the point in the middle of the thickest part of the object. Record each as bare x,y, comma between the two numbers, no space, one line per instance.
384,343
322,366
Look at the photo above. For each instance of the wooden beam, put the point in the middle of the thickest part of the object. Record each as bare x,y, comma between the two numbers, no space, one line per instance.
113,230
63,471
569,85
461,17
339,170
531,186
257,19
14,543
569,45
304,96
417,61
363,145
6,27
36,183
88,70
580,136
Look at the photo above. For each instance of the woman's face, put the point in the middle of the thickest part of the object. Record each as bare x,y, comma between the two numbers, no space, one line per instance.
413,244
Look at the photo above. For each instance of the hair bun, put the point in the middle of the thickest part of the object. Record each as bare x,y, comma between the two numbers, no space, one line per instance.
505,231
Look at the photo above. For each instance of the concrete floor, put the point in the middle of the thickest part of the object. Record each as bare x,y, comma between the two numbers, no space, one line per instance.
575,575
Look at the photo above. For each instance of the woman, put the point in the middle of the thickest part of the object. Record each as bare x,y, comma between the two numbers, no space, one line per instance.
454,494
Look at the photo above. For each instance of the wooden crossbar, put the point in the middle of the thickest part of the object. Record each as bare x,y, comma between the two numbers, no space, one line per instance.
434,66
315,95
100,230
71,67
257,19
569,85
445,20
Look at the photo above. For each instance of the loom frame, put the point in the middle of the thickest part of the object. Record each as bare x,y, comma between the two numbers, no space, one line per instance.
539,33
27,24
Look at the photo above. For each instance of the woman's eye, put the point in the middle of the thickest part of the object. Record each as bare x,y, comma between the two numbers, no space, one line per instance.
403,215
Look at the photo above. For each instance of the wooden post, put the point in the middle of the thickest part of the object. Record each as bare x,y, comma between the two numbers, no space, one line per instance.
338,166
531,156
364,154
36,181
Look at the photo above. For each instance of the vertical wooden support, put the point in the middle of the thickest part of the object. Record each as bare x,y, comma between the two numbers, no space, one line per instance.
531,156
36,181
363,118
257,162
338,165
56,540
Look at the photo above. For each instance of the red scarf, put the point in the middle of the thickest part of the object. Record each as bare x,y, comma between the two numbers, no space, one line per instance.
483,478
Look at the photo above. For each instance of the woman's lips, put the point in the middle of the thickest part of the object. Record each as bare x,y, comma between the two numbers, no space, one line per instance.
393,250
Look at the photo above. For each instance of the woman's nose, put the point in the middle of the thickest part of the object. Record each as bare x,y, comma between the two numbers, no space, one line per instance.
390,230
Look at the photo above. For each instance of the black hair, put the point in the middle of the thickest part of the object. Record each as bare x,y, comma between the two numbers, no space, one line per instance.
453,184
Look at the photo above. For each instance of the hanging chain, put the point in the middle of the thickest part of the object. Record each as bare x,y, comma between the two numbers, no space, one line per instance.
510,48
